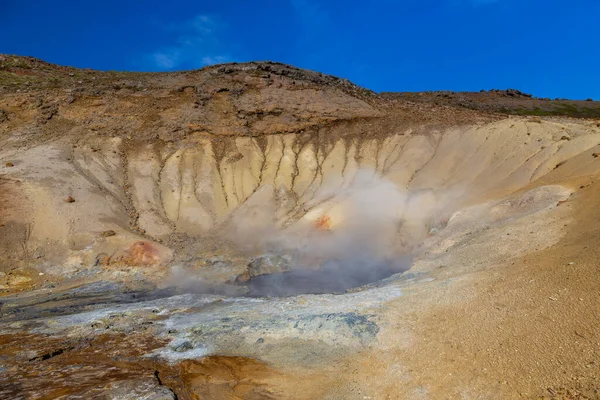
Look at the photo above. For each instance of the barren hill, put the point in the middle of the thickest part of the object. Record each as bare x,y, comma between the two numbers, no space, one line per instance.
510,101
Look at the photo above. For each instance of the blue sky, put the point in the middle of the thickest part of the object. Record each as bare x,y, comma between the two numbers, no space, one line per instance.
550,48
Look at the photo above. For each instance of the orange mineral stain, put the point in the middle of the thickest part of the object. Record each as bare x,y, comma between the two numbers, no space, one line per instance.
143,253
323,223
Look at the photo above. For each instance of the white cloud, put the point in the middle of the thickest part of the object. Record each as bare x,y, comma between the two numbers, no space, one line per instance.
166,61
196,45
210,60
202,24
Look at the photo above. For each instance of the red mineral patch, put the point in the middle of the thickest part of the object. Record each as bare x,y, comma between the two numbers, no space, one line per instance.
143,253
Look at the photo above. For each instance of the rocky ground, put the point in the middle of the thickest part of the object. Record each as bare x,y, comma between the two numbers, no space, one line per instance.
510,101
238,231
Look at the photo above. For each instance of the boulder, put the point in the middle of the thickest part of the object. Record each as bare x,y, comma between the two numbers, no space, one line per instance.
265,265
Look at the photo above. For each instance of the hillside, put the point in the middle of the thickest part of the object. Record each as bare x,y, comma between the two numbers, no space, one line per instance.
510,101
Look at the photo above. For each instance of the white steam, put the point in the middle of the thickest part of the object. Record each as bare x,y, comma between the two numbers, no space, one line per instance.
348,238
359,235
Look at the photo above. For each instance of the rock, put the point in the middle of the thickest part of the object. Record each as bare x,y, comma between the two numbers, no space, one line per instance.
108,233
102,259
536,119
216,262
70,199
565,137
242,278
17,280
3,116
517,93
143,253
181,345
595,155
266,264
9,164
